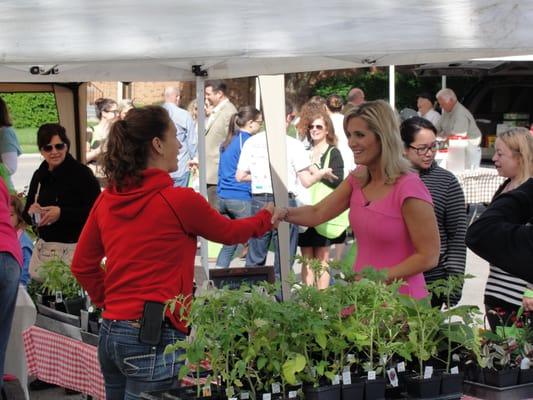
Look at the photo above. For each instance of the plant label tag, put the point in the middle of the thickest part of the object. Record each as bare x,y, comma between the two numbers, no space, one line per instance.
245,395
393,377
267,396
401,366
428,372
59,297
293,394
276,388
454,370
350,358
525,363
336,380
346,378
371,375
206,391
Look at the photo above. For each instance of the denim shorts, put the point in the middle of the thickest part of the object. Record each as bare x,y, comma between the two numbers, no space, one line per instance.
130,367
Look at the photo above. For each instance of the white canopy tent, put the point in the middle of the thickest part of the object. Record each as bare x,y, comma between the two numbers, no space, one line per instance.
79,41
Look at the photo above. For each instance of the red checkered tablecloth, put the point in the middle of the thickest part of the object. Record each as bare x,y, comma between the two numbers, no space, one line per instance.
63,361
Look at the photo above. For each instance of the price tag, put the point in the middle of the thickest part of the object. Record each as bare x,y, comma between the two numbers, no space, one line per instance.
293,394
371,375
336,380
428,372
525,363
267,396
454,370
59,297
393,377
346,377
276,388
401,366
245,395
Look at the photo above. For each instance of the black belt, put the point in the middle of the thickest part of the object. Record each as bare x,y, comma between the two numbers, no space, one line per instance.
291,195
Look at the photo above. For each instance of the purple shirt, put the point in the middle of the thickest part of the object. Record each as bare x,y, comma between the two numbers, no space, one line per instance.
381,232
8,236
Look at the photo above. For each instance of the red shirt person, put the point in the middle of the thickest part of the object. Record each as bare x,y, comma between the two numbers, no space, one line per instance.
147,230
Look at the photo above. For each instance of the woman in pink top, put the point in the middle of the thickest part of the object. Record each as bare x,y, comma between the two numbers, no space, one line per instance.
391,212
10,262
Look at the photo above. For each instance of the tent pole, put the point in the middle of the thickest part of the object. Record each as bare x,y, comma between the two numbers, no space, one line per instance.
443,82
200,86
273,96
392,86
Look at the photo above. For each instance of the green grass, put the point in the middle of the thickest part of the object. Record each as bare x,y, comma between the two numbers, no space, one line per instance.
27,139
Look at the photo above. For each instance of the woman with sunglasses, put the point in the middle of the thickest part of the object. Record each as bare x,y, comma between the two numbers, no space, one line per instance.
321,136
61,194
419,137
107,112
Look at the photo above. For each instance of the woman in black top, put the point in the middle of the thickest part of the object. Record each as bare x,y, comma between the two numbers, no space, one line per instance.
61,194
321,135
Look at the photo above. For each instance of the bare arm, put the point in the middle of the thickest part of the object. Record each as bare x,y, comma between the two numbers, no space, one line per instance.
312,175
422,226
328,208
243,176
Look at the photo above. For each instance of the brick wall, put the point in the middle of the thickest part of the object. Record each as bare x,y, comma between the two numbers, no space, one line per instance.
240,91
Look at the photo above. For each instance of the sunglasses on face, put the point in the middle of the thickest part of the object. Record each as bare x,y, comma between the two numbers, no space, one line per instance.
49,147
317,127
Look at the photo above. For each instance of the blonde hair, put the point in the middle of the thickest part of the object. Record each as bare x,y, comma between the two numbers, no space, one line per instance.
384,122
520,142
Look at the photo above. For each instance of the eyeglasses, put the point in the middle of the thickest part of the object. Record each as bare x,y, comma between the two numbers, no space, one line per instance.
49,147
317,127
113,111
260,121
423,150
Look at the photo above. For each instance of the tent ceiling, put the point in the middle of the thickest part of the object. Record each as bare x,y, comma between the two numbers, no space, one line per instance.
162,39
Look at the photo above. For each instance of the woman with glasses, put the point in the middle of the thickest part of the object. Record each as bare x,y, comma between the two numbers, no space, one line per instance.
419,137
235,198
321,135
391,211
61,194
107,112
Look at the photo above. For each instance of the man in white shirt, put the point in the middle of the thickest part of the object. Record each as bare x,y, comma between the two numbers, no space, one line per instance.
254,166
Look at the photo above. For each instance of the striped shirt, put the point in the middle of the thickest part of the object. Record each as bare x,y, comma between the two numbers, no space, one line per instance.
501,284
450,210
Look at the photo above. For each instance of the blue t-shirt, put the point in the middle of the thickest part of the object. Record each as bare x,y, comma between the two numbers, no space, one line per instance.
228,187
27,250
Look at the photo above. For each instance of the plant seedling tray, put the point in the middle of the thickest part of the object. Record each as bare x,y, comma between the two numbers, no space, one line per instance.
516,392
59,315
56,326
452,396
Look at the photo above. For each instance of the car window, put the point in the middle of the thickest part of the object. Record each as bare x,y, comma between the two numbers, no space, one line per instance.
505,99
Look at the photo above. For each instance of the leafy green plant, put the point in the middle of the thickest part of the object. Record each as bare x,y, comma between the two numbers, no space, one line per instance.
31,109
57,277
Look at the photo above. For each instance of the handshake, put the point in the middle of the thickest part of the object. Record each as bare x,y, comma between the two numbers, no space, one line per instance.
279,214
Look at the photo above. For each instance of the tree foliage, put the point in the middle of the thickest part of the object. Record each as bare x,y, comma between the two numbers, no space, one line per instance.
31,109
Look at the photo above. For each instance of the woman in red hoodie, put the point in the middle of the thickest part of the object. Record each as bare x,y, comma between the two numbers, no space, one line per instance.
147,230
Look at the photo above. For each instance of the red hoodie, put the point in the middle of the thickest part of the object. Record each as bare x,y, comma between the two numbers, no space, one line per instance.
148,235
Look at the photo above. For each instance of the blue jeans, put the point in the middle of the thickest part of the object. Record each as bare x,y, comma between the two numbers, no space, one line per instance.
9,284
258,247
131,367
235,209
182,181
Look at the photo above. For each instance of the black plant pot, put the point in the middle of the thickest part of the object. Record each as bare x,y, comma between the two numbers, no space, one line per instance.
525,376
354,390
182,393
94,327
73,306
330,392
375,389
451,383
292,392
502,378
58,306
474,373
423,388
45,299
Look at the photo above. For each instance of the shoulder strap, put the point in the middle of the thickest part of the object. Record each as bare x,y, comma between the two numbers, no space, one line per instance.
326,160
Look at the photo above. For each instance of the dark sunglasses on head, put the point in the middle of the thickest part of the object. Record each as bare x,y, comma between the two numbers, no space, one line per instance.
48,147
318,127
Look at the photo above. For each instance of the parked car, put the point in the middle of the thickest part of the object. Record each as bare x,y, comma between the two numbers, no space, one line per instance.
502,98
